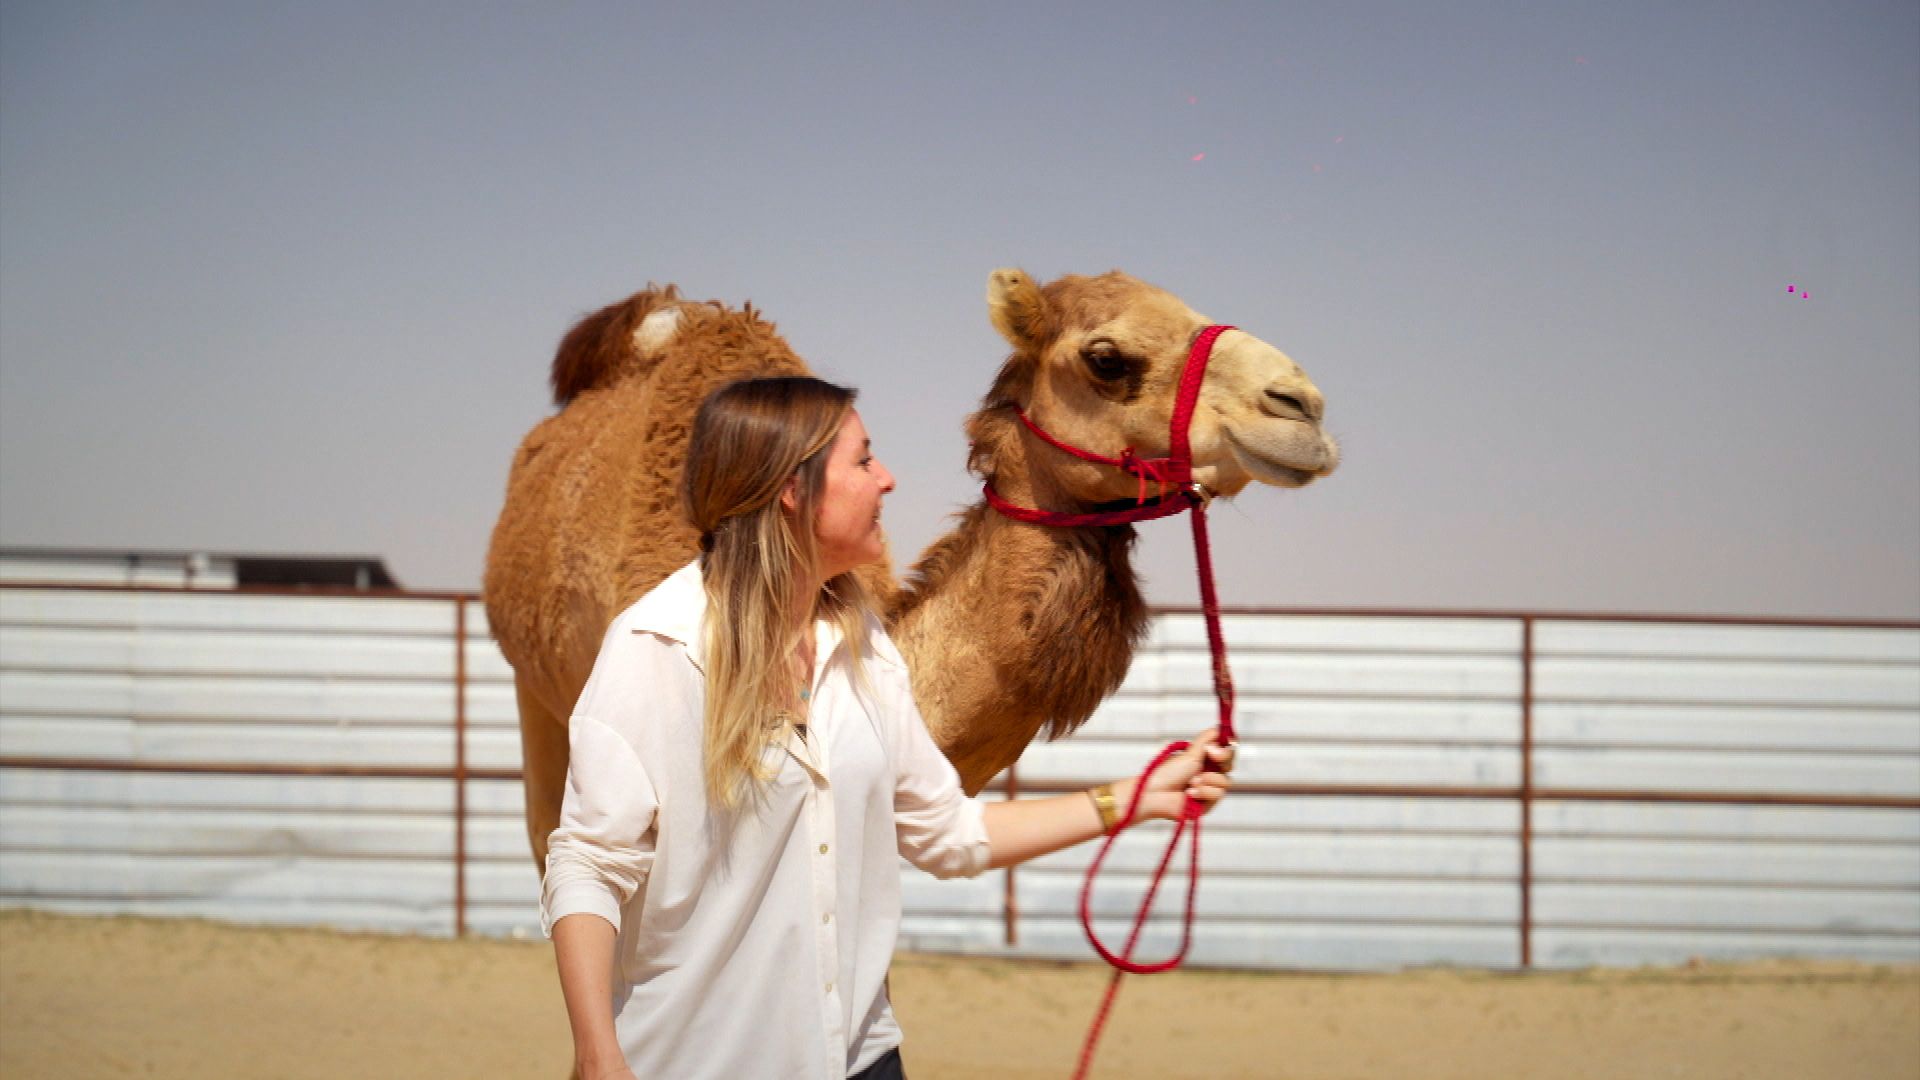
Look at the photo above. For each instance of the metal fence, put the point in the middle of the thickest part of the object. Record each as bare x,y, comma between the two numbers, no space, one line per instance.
1399,768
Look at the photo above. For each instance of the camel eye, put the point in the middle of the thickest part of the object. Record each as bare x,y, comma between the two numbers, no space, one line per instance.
1104,360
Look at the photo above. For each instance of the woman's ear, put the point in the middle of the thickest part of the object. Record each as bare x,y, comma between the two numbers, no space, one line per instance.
790,494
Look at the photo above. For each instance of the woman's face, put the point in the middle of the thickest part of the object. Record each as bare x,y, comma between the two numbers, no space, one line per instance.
847,529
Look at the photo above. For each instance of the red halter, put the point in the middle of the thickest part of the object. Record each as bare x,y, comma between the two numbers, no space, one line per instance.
1175,470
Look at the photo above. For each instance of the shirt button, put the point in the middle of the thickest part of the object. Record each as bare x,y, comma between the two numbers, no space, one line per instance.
827,918
823,849
829,988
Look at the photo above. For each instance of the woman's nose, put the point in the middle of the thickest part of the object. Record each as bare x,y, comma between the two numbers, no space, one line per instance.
886,479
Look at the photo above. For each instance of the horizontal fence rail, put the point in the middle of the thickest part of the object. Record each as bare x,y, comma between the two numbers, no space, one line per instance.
1467,767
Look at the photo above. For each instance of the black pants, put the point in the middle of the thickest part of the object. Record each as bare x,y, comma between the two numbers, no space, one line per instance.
887,1068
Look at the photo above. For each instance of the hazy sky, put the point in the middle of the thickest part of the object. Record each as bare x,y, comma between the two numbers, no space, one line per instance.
288,277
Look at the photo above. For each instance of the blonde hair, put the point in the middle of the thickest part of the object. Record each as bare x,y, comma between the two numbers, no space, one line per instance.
749,439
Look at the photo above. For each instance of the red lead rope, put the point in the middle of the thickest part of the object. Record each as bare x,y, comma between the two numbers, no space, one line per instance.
1175,469
1223,693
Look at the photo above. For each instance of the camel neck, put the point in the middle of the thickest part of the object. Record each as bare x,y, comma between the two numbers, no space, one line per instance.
1032,626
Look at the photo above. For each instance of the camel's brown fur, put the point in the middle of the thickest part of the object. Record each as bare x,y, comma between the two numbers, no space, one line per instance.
1007,628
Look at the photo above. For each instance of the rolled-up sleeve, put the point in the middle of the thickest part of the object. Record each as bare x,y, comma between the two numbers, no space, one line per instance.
941,829
600,855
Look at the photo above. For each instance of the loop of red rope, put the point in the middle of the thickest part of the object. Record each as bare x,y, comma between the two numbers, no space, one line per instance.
1190,816
1123,962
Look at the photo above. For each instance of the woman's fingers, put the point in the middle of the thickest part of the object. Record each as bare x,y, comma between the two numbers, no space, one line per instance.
1199,772
1176,772
1200,749
1206,797
1210,780
1208,787
1207,750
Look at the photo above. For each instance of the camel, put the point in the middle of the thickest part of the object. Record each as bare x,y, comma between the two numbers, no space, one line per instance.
1007,628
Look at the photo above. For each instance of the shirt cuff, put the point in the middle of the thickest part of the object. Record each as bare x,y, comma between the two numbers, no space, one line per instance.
566,894
978,847
963,848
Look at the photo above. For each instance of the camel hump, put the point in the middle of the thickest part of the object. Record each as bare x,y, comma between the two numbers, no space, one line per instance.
617,341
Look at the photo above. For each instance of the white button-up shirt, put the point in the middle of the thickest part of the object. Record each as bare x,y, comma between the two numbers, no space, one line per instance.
759,949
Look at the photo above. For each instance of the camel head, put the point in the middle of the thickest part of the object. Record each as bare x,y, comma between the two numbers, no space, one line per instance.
1096,362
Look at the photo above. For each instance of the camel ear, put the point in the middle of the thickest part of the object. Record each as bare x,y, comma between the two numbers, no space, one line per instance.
1018,310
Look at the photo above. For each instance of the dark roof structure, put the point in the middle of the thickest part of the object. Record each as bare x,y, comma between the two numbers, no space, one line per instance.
352,572
280,571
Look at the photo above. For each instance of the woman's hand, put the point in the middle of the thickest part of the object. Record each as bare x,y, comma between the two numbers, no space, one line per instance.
1198,772
1022,829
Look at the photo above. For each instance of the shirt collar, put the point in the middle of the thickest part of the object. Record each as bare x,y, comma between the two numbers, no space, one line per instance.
676,609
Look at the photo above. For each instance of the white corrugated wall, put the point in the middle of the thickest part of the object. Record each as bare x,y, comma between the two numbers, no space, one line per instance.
1322,881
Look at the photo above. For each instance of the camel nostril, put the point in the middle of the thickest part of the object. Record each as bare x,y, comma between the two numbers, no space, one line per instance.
1288,401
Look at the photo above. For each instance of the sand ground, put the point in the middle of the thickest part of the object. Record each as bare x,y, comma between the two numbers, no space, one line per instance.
127,997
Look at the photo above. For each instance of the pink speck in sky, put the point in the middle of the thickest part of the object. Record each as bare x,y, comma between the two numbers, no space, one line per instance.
1193,101
1789,288
1339,138
1579,59
1199,157
1316,166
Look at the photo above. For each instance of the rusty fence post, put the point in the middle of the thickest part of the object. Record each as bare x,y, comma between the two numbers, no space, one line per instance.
1526,793
460,767
1012,901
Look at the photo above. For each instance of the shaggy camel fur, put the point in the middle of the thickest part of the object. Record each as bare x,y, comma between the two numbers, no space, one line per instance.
1006,627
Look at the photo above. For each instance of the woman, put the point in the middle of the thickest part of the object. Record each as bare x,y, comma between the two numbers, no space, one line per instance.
747,766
